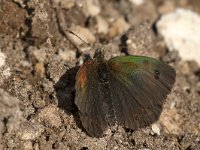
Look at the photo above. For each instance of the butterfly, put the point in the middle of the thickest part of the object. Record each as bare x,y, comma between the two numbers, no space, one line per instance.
127,90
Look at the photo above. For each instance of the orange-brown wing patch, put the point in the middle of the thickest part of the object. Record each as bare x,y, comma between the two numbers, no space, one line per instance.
82,74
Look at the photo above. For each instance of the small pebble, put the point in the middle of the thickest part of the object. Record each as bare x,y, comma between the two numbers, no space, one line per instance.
67,55
30,131
185,69
118,27
67,4
2,59
38,102
82,33
93,7
40,54
171,56
28,145
55,69
6,72
10,111
39,69
137,2
102,25
50,116
156,128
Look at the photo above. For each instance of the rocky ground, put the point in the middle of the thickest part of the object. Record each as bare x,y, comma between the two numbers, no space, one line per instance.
39,58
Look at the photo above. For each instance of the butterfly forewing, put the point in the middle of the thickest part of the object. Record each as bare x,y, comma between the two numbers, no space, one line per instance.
140,86
88,99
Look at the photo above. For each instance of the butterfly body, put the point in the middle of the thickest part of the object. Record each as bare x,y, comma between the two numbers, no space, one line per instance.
127,90
103,77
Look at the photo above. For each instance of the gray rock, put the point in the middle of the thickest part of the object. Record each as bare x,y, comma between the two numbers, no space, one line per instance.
10,113
181,32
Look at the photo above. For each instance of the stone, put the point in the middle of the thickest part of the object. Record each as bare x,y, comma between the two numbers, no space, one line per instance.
50,116
118,27
29,131
137,2
2,59
84,35
67,55
181,32
93,7
9,113
156,128
102,25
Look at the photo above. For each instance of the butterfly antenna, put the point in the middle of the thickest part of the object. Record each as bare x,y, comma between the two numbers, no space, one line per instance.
77,36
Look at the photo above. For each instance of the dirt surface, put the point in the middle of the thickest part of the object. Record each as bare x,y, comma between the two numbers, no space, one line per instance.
39,60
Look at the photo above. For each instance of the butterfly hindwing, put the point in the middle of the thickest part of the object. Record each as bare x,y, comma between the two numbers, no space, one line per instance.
88,99
140,87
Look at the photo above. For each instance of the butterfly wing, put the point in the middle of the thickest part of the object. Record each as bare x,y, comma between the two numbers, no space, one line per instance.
140,86
88,99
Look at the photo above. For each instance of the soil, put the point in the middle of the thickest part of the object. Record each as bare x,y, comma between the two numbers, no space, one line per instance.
37,78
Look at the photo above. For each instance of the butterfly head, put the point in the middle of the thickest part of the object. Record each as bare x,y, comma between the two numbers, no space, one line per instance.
99,55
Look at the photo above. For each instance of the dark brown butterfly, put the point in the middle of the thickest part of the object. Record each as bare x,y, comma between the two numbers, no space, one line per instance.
127,90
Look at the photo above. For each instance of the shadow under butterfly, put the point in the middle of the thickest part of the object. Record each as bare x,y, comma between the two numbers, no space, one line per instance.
127,90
